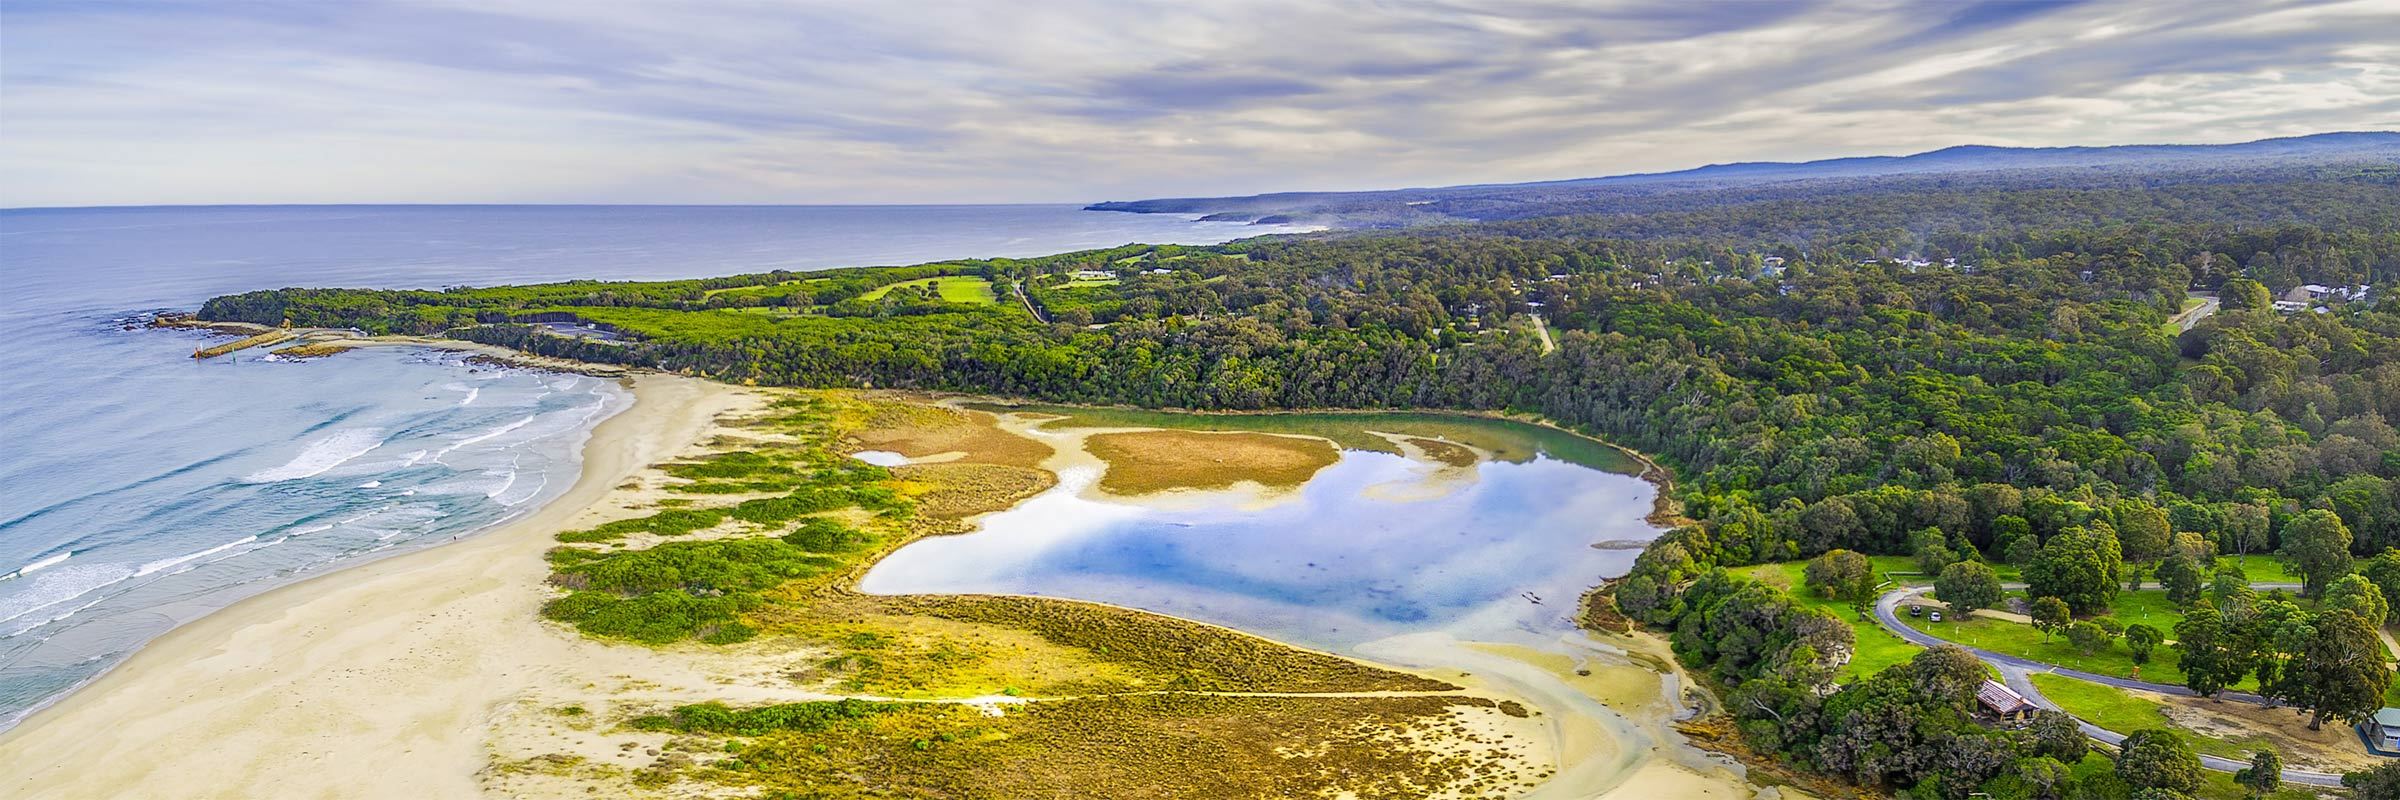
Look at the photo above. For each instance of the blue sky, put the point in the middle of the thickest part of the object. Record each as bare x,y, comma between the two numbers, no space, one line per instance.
760,101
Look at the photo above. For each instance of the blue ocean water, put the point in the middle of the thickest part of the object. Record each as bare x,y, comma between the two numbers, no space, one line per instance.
140,489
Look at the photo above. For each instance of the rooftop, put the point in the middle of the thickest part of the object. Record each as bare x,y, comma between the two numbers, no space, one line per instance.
2002,699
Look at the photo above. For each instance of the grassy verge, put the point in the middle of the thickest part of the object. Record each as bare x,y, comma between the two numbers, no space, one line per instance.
2022,641
2124,712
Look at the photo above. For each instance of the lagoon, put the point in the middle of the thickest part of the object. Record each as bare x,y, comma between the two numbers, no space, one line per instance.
1375,546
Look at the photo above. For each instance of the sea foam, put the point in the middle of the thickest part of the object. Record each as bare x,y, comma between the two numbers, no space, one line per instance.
38,564
169,563
333,450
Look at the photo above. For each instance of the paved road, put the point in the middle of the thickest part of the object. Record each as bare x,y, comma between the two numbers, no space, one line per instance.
2014,672
1019,290
2189,319
1886,606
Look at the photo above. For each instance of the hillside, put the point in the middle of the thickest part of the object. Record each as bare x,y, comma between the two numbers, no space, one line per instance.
2124,166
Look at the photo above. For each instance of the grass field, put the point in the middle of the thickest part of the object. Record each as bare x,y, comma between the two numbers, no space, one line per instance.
1877,648
2121,711
953,289
2023,641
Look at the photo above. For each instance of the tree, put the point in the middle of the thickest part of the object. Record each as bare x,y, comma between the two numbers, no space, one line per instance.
2379,783
1932,549
2206,651
2358,595
2156,758
2088,637
2339,674
2021,551
2317,545
2141,640
2050,615
2079,566
1967,586
2263,776
2142,529
2180,574
2246,526
2228,582
2384,571
1841,575
2056,735
2046,776
1948,674
2244,293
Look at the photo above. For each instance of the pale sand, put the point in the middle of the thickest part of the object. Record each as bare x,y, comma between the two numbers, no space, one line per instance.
406,678
370,682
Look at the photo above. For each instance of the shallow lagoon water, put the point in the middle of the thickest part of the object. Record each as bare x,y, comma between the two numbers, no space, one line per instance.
140,488
1364,551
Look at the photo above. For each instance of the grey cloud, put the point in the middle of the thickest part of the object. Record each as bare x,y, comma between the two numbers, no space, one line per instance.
744,101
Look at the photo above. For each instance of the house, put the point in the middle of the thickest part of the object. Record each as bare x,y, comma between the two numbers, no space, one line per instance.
1092,275
2291,306
2382,731
2003,702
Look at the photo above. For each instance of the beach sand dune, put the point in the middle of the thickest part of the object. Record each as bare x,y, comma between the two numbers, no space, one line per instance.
371,682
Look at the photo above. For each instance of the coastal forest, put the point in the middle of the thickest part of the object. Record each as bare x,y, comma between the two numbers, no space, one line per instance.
2078,385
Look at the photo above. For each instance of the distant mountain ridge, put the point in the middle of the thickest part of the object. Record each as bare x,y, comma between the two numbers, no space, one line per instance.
1583,195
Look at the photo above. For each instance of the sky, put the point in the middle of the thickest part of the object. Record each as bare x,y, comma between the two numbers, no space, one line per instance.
778,101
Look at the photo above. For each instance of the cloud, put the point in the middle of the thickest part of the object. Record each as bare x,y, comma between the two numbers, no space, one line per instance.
760,101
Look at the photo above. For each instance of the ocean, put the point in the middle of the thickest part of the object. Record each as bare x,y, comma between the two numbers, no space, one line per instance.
141,489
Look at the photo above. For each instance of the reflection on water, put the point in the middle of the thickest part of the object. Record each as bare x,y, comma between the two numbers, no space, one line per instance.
1503,556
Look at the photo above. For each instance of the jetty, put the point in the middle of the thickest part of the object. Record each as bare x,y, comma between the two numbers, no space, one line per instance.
277,336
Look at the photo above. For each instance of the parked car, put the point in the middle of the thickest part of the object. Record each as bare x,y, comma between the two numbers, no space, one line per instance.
1937,616
1916,611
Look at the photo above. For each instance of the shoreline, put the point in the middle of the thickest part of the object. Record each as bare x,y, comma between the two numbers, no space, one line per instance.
318,570
324,671
265,675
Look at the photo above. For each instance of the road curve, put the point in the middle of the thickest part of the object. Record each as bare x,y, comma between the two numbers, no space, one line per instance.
2014,672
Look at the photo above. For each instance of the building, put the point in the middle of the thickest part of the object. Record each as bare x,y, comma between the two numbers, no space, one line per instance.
2003,702
1092,275
2382,731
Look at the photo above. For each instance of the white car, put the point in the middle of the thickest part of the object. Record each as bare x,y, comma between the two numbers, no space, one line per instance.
1937,616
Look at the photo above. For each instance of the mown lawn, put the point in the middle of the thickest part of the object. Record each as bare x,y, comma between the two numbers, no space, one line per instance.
2147,607
1877,648
2023,641
2118,710
952,289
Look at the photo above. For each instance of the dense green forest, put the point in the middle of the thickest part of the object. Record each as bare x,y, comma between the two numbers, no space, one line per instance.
1872,374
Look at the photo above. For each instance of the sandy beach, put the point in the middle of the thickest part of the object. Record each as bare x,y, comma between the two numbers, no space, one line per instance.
413,677
370,682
